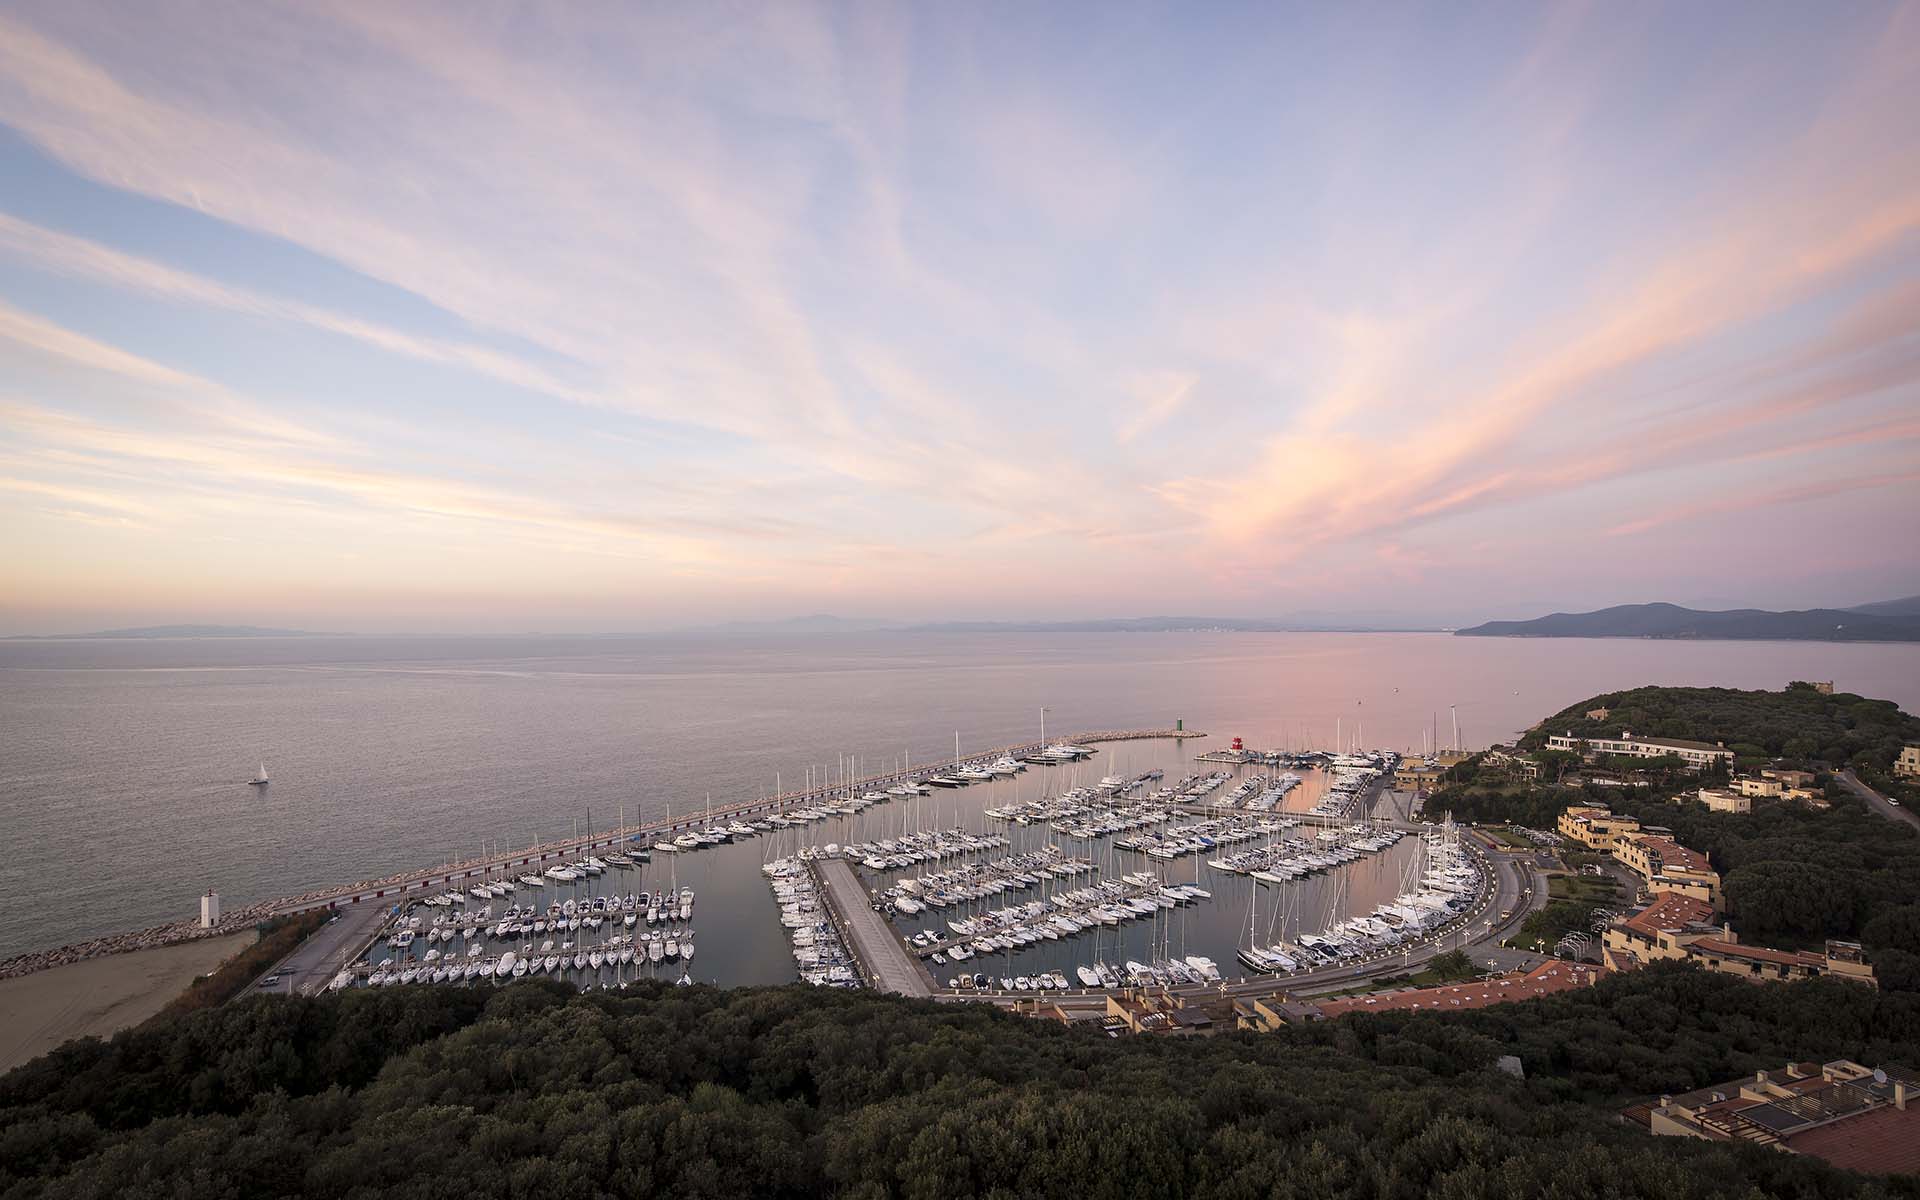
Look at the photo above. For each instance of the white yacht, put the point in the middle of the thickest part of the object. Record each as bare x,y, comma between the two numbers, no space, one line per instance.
1205,966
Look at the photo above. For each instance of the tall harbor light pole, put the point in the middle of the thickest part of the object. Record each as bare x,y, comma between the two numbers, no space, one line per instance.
1043,727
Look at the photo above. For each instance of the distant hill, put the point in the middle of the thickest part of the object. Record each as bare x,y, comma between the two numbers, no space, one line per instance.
815,623
1312,623
185,631
1166,625
1867,623
1906,607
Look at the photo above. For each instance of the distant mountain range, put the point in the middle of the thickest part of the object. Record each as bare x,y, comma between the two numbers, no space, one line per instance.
1167,625
1887,621
1302,623
182,631
816,623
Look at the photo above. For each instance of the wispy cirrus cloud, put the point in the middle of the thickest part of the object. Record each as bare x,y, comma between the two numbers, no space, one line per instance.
51,250
1771,498
1377,463
1211,320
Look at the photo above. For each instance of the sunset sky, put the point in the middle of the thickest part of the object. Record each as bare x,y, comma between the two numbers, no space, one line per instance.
508,317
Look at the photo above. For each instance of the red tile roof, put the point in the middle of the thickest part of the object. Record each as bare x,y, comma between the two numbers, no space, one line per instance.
1885,1141
1543,980
1669,913
1792,958
1674,856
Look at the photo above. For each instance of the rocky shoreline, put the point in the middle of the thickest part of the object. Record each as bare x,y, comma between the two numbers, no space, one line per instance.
141,939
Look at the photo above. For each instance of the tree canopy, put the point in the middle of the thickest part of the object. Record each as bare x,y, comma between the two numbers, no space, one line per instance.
534,1090
1799,722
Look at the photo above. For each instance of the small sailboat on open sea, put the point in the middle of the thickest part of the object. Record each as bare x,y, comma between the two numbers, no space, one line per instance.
259,780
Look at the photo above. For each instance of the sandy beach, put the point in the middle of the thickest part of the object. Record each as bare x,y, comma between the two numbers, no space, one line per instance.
101,996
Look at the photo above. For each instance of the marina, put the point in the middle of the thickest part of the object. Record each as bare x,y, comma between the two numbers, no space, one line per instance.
1028,870
434,758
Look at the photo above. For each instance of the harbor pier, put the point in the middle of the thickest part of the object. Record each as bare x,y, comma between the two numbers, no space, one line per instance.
401,888
882,956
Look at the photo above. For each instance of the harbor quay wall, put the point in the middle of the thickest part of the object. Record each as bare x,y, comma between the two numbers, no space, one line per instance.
402,887
139,939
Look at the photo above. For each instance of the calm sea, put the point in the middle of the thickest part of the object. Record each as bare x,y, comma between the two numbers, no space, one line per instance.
123,764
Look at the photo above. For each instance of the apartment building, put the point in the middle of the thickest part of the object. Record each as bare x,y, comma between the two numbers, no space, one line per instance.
1846,1114
1726,800
1908,764
1595,826
1660,932
1695,754
1664,865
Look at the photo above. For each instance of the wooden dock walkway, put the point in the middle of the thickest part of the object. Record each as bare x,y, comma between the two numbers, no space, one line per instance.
884,960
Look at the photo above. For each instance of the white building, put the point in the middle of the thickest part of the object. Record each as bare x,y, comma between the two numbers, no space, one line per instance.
1694,754
1721,800
210,910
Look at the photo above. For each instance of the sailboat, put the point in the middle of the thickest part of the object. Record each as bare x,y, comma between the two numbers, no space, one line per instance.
259,780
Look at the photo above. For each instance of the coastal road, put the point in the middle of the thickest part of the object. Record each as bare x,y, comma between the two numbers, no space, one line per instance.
1877,802
315,962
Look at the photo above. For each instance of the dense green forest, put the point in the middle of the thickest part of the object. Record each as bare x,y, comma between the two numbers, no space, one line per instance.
533,1090
1798,722
1792,875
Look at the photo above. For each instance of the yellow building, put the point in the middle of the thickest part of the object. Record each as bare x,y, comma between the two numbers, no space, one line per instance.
1595,826
1149,1010
1908,763
1842,960
1680,927
1843,1113
1661,931
1664,865
1726,801
1264,1014
1417,775
1782,783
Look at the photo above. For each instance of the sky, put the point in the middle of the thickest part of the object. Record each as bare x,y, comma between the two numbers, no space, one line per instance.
505,317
